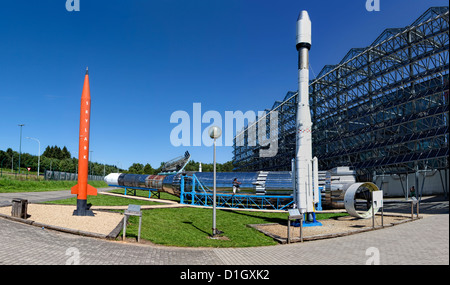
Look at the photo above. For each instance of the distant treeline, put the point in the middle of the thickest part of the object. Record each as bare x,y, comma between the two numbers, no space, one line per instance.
59,159
56,152
138,168
54,158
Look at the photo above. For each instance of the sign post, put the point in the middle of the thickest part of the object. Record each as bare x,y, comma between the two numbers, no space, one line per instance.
294,214
377,202
133,210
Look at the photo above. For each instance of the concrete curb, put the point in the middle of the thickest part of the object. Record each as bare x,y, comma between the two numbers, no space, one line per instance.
282,240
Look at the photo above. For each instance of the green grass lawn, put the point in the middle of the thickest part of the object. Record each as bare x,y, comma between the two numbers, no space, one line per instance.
143,193
191,227
8,185
104,200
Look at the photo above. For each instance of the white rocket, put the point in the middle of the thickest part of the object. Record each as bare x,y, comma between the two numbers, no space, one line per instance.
306,168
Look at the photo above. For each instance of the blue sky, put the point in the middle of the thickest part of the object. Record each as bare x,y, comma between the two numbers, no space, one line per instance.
148,59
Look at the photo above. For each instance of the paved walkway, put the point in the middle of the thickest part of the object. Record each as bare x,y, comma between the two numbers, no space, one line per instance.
425,241
37,197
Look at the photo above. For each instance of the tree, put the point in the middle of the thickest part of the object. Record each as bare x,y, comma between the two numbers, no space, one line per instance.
47,152
227,166
148,169
56,152
49,161
65,153
192,166
66,165
136,168
97,169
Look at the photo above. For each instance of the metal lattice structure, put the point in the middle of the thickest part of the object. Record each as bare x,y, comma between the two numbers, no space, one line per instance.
194,193
382,109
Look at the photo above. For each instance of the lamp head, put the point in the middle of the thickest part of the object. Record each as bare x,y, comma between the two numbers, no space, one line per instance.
215,132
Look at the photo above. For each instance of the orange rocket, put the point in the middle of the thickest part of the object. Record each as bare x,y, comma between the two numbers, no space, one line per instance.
82,189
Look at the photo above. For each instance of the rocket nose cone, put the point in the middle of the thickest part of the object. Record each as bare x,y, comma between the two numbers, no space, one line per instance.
303,29
303,16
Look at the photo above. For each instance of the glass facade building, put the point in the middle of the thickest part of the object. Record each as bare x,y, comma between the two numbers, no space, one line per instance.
382,110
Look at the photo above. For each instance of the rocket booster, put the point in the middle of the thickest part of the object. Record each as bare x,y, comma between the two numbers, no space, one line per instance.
304,167
82,189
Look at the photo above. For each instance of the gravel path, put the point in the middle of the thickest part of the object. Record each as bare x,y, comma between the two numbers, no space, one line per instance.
336,226
102,223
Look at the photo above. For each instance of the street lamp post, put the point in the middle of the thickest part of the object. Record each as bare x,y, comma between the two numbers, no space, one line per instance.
104,167
39,153
214,133
76,164
20,145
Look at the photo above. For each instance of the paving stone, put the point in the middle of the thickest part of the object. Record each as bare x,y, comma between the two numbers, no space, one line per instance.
424,241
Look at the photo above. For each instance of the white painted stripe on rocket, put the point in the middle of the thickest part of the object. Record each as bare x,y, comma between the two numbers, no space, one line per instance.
316,180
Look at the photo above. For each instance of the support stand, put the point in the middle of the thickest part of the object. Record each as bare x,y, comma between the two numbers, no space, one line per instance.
308,223
313,223
216,233
83,209
377,202
414,202
294,214
133,210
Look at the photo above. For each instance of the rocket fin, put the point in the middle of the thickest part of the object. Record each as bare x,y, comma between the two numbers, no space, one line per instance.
74,189
91,190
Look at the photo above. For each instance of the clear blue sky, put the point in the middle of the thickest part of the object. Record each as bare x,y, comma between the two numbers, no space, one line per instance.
148,59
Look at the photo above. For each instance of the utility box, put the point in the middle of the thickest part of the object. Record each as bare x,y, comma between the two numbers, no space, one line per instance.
19,208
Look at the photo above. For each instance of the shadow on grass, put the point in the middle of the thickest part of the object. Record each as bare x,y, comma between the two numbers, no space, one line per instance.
192,224
268,220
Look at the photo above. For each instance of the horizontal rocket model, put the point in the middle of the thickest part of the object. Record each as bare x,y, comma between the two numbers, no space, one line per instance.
306,169
82,189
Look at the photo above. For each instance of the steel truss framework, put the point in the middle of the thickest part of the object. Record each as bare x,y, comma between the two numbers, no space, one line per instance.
194,193
382,109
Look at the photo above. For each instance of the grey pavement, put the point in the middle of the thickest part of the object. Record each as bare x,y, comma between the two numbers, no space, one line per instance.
424,241
37,197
